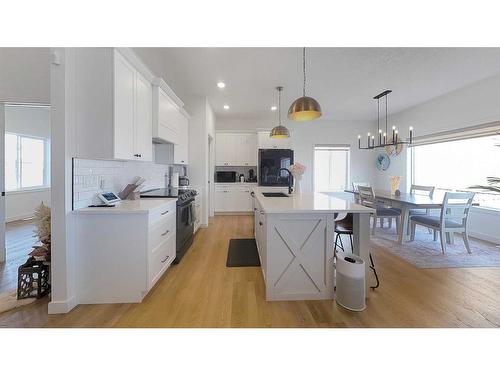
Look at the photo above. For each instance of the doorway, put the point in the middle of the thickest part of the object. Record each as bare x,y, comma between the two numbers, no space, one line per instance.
24,182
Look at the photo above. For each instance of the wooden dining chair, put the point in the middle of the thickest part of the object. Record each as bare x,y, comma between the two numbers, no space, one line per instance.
367,198
355,186
453,218
420,190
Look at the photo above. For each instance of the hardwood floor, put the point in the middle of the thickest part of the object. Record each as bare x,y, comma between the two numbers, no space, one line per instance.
202,292
18,243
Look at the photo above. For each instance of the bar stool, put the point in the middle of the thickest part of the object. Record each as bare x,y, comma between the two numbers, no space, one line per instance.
345,226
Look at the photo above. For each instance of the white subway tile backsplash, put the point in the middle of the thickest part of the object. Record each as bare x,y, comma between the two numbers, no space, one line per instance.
93,176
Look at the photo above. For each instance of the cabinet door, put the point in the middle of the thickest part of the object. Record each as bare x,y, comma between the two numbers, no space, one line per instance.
181,150
168,118
124,109
143,120
248,147
221,198
221,149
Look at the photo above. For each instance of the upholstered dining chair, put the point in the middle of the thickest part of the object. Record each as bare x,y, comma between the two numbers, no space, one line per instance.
367,198
453,219
355,186
421,190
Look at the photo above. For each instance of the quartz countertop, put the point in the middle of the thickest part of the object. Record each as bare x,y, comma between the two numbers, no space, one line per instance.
143,205
307,203
236,183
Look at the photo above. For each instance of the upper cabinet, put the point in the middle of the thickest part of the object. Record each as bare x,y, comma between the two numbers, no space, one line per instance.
170,121
235,149
113,105
265,141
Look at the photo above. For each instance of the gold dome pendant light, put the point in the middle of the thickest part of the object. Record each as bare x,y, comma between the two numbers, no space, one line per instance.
279,131
304,108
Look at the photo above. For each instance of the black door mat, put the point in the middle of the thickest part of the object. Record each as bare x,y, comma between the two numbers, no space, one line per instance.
242,253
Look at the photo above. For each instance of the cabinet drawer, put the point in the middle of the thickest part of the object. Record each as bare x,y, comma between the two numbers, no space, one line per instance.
161,230
160,259
162,213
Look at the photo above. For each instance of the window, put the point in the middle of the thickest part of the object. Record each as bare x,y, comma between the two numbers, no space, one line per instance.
331,168
458,165
26,162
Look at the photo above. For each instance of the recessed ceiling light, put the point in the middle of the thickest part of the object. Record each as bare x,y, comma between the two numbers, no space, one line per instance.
221,85
226,107
274,108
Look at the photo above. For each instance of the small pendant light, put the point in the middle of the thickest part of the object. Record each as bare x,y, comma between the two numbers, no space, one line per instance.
279,131
304,108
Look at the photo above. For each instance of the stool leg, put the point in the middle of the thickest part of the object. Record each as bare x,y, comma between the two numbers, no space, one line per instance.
341,243
352,247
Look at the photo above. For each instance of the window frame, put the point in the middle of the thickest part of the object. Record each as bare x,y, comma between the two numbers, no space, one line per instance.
46,164
347,148
464,134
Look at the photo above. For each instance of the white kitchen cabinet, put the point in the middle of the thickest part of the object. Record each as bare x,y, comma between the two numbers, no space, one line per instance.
233,197
181,149
143,119
123,251
111,102
170,122
266,142
235,149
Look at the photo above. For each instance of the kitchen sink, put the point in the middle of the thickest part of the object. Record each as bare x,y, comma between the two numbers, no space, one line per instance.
275,195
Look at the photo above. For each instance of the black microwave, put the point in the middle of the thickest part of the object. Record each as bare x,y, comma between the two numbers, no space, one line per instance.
225,176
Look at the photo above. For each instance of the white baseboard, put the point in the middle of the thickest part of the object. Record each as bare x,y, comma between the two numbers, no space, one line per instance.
485,237
62,307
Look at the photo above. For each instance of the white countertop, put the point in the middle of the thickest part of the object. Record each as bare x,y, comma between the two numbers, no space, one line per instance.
307,203
143,205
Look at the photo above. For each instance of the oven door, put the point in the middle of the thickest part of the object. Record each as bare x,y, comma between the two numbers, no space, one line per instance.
185,224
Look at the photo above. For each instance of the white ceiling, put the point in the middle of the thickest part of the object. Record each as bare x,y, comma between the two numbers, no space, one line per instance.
343,80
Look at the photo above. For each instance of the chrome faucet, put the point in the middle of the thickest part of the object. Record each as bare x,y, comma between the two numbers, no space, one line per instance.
289,180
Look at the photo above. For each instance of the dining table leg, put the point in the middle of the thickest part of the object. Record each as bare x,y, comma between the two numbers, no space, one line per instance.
403,225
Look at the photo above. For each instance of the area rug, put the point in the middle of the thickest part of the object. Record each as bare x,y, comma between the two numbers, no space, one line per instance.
9,301
425,253
242,253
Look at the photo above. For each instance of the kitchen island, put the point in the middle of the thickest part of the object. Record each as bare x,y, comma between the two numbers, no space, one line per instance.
295,236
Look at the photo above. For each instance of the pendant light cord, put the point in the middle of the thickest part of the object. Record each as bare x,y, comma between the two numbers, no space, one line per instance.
304,70
279,106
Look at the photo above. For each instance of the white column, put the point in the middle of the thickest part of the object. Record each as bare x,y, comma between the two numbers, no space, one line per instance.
62,98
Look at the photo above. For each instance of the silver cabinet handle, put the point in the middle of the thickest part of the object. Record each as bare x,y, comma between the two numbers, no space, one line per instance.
166,212
262,212
164,260
165,233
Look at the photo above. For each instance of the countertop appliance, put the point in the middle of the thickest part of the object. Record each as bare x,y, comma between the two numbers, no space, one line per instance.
225,176
271,164
185,216
242,178
251,176
183,182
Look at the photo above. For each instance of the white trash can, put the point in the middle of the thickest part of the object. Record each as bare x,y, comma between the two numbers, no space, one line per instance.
350,281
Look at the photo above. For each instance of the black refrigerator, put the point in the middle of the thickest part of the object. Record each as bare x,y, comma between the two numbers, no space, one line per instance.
270,163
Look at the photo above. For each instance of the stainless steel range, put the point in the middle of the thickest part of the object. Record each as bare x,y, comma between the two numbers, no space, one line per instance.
185,216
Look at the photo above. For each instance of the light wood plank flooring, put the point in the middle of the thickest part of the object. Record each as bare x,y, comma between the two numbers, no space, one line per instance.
202,292
19,241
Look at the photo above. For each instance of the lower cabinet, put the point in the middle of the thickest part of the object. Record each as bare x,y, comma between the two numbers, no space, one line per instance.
121,255
233,198
260,229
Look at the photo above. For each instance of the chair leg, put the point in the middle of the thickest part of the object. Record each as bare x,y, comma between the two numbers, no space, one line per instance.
352,247
408,231
397,224
413,229
466,242
341,243
335,244
435,234
430,231
390,222
337,237
382,220
442,236
374,225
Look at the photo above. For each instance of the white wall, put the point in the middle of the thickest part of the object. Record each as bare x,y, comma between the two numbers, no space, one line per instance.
201,125
25,75
308,134
34,121
472,105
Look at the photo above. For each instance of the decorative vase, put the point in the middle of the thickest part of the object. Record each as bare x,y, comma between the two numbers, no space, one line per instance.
297,184
394,181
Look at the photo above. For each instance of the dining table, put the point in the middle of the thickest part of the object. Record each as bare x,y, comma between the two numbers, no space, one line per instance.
406,202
